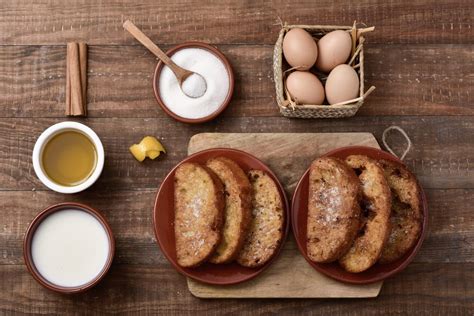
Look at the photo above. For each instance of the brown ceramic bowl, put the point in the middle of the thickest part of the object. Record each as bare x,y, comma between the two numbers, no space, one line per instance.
217,53
220,274
29,237
299,213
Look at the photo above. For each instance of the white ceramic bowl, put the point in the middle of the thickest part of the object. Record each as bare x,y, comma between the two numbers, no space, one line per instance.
43,140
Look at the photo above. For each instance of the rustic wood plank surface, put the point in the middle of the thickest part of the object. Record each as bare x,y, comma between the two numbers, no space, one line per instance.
410,80
450,236
236,22
423,288
442,156
420,58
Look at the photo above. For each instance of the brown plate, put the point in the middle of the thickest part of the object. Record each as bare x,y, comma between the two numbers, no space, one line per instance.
218,54
299,213
220,274
29,236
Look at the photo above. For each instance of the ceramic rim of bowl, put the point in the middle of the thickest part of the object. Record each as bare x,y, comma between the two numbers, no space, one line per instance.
29,238
218,54
47,135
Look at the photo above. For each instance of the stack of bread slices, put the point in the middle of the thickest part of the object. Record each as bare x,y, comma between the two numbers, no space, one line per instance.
361,211
223,214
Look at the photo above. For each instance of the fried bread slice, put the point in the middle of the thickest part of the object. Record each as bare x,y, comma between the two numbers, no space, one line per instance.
199,213
266,226
333,209
237,208
406,217
375,217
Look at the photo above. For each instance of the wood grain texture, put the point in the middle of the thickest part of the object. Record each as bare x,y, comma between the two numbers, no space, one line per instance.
290,276
447,21
419,57
450,236
442,156
413,80
422,289
288,155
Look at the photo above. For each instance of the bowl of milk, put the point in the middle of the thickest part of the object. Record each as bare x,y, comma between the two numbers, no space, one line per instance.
69,248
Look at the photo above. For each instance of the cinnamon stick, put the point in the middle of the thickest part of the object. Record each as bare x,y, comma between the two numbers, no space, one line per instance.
68,84
83,65
76,81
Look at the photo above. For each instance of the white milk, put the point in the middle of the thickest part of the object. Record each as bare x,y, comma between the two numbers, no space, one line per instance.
70,248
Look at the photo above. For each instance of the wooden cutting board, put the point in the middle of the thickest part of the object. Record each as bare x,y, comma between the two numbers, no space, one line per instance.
288,155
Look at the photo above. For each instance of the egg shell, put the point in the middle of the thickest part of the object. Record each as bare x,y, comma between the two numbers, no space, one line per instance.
334,49
342,84
300,49
305,88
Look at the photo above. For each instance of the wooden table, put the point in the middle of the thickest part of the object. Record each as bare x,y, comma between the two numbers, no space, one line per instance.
420,58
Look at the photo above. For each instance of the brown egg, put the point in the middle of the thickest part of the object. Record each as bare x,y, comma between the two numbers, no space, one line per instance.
300,49
334,49
305,88
342,84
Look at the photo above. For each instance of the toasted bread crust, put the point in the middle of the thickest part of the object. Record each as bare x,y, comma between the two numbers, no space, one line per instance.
199,213
406,217
266,227
333,209
375,224
237,208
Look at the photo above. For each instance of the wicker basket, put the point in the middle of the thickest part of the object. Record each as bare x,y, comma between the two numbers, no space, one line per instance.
289,107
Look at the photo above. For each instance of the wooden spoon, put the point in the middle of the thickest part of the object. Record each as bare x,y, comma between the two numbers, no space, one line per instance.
197,84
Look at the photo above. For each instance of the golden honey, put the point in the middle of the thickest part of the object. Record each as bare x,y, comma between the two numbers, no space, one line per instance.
69,158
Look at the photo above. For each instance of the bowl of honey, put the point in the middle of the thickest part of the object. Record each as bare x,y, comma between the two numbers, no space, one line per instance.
68,157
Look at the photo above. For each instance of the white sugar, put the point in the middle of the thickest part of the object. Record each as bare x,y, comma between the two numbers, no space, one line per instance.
211,68
194,86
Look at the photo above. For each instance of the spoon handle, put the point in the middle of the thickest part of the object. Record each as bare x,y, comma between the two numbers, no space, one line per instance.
180,73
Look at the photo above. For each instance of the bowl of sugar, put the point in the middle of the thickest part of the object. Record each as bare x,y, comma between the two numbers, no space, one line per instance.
212,65
68,248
